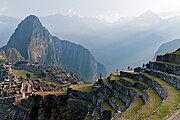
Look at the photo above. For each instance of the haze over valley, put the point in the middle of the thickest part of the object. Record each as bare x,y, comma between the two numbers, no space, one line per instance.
130,41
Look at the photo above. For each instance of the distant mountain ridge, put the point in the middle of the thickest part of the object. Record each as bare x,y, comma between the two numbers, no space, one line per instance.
168,47
35,43
131,42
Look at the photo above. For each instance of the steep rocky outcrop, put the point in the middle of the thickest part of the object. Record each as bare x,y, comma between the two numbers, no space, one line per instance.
3,56
13,55
35,43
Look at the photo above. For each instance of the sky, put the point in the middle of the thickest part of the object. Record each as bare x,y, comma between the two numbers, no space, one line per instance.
109,10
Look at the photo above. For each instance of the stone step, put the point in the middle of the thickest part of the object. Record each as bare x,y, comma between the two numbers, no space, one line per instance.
170,78
165,67
170,103
154,100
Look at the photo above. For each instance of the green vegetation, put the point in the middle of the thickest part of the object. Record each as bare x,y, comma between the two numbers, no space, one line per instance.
154,100
97,113
129,80
120,103
136,104
82,87
176,53
161,62
115,77
107,106
144,84
137,90
24,73
170,103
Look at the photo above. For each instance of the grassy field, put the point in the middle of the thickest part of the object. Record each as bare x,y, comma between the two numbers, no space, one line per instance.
83,87
23,73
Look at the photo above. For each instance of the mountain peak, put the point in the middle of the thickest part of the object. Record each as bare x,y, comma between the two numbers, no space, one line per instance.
32,20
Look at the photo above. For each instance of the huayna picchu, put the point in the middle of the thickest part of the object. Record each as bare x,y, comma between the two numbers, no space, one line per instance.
148,92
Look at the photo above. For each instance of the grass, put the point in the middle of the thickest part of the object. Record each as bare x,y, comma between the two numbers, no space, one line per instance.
82,87
120,103
144,84
137,90
136,104
115,77
52,82
129,80
173,64
23,73
51,92
176,53
154,100
107,106
170,103
97,113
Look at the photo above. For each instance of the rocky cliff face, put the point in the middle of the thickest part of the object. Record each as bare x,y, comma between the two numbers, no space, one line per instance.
11,55
35,43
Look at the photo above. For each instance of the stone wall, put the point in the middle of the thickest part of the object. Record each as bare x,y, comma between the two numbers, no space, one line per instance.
168,68
6,103
172,58
171,79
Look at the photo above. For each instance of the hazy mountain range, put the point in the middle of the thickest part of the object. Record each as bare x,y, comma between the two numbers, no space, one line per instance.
128,42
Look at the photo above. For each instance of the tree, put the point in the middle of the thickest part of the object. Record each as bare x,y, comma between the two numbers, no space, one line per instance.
28,75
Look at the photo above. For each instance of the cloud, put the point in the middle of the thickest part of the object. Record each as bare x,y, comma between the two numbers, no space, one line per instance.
110,18
3,5
72,12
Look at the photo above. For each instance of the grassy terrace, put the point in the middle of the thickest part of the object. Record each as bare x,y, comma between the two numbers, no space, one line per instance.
115,77
83,87
176,53
137,90
120,103
23,73
161,62
144,84
136,104
129,80
170,103
107,106
154,100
